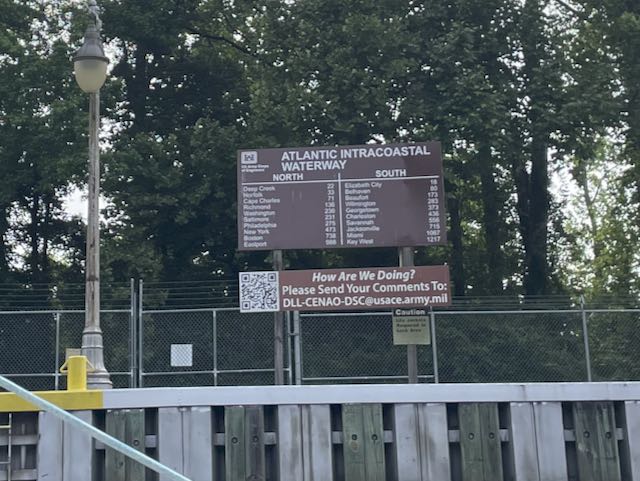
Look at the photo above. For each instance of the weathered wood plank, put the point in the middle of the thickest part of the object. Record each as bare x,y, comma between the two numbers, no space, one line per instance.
480,442
374,442
134,436
353,443
290,450
197,431
632,438
421,442
363,442
49,450
77,450
406,442
185,441
114,461
254,437
170,435
522,437
434,442
127,426
317,446
596,445
550,442
235,453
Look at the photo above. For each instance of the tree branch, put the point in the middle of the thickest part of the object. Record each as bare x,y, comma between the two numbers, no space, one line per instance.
572,9
220,38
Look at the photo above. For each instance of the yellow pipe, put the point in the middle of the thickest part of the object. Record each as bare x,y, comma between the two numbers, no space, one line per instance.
76,369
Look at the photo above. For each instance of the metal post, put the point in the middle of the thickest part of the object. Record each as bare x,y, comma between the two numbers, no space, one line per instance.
278,327
132,335
405,257
140,333
585,335
92,341
57,366
297,346
215,346
288,343
434,345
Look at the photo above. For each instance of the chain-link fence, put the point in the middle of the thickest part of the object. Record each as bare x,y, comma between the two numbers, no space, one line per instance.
33,345
222,347
217,347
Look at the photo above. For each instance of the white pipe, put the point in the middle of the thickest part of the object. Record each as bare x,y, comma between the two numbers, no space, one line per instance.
93,431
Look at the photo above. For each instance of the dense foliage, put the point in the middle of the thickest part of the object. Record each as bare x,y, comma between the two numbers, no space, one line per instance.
536,102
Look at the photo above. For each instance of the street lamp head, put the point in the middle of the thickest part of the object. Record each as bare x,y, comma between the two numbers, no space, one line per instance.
90,63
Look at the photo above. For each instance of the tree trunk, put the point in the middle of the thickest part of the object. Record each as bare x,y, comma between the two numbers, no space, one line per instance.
455,236
536,277
4,254
34,231
492,222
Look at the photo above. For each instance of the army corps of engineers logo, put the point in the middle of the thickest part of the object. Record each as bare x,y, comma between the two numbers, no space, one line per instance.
249,158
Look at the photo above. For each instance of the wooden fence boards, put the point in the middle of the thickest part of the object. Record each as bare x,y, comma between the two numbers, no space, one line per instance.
596,443
421,442
290,444
303,443
536,439
550,443
363,442
127,426
316,439
632,439
434,442
77,450
254,439
244,443
185,441
480,442
49,450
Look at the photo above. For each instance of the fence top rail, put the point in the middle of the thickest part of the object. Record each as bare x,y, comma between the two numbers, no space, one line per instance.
63,311
369,393
388,313
198,309
481,312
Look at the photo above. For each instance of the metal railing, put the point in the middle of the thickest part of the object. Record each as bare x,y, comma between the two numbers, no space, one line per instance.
222,347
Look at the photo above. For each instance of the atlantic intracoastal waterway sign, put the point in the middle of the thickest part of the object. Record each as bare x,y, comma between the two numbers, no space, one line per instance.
348,196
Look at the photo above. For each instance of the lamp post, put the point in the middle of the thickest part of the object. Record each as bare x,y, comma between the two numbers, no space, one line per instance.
90,68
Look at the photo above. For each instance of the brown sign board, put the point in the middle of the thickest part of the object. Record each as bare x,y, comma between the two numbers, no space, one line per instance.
348,196
345,289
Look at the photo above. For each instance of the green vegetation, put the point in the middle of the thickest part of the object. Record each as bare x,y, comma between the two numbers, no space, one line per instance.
520,92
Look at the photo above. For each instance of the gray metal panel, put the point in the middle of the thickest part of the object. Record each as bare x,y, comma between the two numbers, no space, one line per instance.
522,434
406,441
198,444
170,437
434,442
632,438
49,448
77,450
550,443
316,443
290,460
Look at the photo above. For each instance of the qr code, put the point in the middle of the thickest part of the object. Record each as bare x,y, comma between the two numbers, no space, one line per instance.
259,292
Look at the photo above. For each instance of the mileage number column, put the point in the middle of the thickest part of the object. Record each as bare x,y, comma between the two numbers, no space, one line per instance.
331,215
434,232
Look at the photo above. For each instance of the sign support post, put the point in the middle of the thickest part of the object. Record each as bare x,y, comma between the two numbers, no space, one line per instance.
405,257
434,345
278,328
